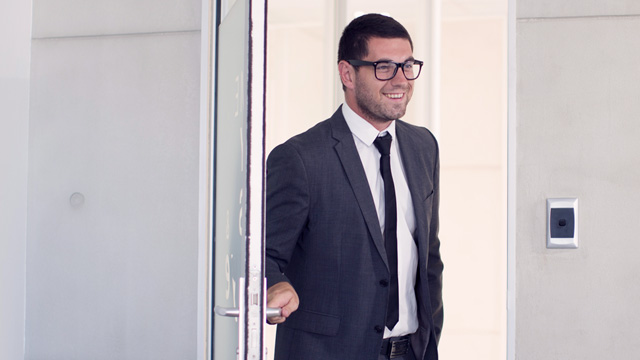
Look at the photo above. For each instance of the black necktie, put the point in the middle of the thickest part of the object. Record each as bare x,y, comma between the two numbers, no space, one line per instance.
383,143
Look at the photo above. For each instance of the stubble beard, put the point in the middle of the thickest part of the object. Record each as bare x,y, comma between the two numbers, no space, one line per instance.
376,112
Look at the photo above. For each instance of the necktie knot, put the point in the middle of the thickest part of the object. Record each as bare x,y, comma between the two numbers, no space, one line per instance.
383,144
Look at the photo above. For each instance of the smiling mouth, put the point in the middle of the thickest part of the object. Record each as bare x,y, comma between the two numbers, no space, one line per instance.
394,96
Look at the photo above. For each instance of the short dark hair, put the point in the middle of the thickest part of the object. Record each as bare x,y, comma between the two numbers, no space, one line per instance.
354,39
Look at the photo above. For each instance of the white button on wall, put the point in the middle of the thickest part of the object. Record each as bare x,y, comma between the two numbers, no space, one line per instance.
562,223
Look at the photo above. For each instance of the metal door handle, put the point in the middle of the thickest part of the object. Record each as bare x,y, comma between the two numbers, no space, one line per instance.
235,312
241,313
229,312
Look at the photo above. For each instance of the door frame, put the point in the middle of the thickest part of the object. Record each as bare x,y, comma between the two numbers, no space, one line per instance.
206,200
511,179
254,300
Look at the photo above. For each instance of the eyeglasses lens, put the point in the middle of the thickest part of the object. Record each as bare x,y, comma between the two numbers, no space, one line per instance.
387,70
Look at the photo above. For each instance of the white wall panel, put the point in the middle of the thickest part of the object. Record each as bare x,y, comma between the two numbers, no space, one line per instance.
576,8
473,89
473,86
114,276
58,18
577,131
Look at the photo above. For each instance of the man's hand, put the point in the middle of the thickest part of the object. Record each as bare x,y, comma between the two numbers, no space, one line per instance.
282,295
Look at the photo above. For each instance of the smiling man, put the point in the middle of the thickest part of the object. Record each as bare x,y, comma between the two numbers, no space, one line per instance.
352,248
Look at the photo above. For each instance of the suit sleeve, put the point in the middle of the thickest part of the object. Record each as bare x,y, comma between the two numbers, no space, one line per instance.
435,266
287,207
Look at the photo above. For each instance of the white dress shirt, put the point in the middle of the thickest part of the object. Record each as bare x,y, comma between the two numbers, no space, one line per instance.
364,134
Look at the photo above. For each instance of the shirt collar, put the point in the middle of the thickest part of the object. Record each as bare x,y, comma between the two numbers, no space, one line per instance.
362,129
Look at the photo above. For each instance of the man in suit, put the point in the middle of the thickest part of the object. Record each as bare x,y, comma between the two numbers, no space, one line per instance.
352,248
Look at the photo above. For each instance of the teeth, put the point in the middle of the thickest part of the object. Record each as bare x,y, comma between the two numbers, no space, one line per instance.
394,96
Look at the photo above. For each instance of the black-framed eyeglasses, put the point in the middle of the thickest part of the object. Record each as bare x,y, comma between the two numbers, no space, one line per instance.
386,70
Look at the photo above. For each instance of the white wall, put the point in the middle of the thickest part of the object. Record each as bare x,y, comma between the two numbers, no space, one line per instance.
15,42
577,136
472,207
114,116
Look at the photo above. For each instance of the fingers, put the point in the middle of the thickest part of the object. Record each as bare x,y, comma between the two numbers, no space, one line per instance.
276,320
282,295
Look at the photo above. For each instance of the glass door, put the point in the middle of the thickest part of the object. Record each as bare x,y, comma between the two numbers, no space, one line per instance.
239,166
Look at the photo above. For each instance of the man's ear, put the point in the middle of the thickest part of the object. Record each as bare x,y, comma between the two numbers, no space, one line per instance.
347,74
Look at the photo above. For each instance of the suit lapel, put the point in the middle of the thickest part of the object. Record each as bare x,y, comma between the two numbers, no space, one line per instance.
414,163
348,154
418,181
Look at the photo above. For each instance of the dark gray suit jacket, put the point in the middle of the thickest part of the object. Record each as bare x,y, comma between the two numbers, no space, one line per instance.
323,236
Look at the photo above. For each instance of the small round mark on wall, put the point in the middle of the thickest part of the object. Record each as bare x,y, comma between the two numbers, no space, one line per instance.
76,200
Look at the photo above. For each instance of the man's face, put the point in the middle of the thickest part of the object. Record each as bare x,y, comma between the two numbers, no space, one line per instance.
383,101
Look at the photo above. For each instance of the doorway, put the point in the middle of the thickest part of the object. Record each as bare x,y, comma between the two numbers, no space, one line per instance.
462,100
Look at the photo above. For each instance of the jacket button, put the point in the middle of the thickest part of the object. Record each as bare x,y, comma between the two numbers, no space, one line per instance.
384,283
378,329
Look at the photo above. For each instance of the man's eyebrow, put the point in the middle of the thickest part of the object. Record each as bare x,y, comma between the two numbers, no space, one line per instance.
410,58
